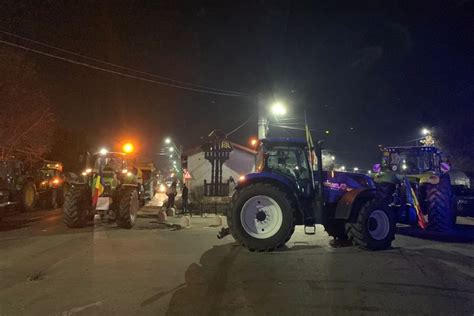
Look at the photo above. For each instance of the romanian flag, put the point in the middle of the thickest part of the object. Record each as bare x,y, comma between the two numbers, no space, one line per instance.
309,140
419,214
97,189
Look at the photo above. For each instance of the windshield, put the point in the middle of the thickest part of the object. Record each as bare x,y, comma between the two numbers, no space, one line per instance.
408,161
109,164
290,161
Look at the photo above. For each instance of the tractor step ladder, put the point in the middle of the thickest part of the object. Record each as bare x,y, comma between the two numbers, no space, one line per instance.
310,229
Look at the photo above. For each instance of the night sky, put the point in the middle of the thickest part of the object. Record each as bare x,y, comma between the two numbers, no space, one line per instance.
370,72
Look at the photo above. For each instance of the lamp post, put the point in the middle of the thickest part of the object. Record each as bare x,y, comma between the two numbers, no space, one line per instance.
277,109
173,150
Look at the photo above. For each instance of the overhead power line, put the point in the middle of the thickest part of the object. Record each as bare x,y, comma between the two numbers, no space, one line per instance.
120,73
120,66
239,127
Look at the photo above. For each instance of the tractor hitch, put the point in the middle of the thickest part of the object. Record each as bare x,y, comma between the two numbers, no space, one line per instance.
223,232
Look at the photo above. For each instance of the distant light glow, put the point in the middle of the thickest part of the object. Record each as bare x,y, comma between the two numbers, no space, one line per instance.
253,142
425,131
128,148
241,178
168,140
327,131
171,149
278,109
333,158
103,151
88,170
356,169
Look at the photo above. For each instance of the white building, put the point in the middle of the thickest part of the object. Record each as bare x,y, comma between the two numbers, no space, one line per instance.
240,162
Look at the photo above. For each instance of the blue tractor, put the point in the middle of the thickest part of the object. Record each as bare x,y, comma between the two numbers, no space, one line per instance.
287,190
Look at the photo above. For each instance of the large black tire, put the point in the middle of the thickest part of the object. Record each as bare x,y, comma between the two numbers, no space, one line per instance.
127,207
374,227
29,197
441,208
336,229
75,207
51,199
60,196
281,235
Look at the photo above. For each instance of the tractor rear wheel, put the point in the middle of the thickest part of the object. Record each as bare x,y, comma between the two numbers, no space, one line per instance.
441,208
29,196
374,227
74,207
127,208
262,217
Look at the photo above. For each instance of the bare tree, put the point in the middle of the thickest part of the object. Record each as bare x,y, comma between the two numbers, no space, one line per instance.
26,121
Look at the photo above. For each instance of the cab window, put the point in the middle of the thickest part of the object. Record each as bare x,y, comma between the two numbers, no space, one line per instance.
289,161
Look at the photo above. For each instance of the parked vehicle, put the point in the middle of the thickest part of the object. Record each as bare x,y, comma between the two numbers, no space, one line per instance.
49,182
286,190
109,187
416,183
17,187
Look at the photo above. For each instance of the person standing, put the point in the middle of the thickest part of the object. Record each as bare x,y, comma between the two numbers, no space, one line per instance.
171,194
184,197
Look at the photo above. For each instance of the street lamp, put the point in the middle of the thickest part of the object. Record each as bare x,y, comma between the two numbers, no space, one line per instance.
278,109
171,149
425,131
356,169
168,140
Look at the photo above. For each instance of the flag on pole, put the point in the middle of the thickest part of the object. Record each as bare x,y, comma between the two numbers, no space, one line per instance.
309,141
419,214
97,189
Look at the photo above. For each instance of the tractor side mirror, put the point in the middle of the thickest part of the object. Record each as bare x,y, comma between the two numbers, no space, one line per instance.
445,167
377,168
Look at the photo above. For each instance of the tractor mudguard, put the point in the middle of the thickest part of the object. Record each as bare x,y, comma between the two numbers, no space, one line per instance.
345,206
266,177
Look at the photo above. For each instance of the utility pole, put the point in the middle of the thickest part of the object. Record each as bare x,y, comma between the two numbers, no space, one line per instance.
262,117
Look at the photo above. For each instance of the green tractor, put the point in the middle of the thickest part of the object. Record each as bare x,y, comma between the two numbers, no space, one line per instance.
415,182
49,182
17,187
108,187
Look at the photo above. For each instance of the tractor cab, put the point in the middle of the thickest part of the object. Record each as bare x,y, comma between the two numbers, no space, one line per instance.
410,160
286,157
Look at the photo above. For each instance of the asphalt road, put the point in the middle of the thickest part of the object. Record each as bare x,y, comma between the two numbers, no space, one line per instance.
155,269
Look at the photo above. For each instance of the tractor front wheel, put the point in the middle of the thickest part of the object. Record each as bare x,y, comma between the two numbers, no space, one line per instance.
262,217
374,227
74,207
127,208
